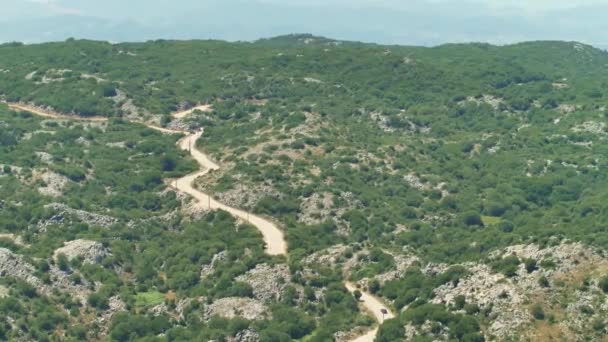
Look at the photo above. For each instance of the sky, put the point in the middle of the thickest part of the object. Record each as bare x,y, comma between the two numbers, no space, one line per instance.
406,22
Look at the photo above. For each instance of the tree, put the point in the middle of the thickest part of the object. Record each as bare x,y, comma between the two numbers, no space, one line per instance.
109,91
374,286
531,265
543,282
391,330
459,302
168,163
472,219
62,262
537,312
357,294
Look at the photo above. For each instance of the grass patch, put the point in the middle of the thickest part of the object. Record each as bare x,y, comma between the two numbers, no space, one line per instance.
145,299
490,220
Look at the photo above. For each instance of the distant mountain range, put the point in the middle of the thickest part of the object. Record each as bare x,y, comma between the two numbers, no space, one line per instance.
251,20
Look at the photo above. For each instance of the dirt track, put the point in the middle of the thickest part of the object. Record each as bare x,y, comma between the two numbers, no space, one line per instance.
273,236
183,114
42,112
375,307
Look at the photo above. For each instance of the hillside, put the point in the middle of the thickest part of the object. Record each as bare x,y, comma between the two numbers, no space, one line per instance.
464,186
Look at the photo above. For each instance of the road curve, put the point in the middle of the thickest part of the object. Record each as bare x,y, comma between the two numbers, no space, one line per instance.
183,114
273,236
375,307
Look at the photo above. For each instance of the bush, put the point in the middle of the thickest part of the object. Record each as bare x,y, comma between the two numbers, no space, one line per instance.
537,312
472,219
391,330
598,324
109,91
604,284
506,226
459,302
63,263
531,265
98,300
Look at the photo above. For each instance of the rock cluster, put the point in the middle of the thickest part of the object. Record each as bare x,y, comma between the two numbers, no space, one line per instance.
45,157
206,270
317,208
115,305
90,251
593,127
14,265
231,307
89,218
268,282
493,291
494,102
247,196
55,183
3,291
507,300
248,335
329,256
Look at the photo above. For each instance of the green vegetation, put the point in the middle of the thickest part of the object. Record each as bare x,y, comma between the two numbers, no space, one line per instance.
446,153
145,299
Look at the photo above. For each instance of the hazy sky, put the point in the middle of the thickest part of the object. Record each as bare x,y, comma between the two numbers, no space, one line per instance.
421,22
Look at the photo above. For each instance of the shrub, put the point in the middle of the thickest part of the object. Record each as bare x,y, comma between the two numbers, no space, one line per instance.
531,265
472,219
604,284
537,312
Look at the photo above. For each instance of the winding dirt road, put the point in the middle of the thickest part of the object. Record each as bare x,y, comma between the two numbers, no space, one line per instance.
183,114
273,236
375,307
47,114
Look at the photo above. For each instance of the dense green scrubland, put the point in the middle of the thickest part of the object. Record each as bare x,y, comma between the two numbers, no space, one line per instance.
446,153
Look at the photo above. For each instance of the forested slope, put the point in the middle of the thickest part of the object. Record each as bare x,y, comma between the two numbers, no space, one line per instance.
434,177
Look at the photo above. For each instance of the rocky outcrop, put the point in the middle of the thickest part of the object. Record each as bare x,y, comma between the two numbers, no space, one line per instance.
593,127
115,305
54,184
248,335
90,251
3,292
14,265
247,196
316,209
206,270
63,213
268,282
45,157
493,291
564,282
231,307
177,312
